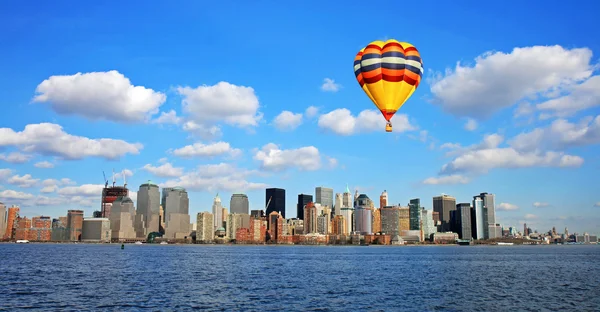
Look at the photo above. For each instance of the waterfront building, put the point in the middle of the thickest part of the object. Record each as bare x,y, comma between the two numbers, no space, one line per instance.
414,207
324,196
303,199
59,230
461,221
404,219
363,220
390,220
96,230
122,219
217,212
11,217
2,220
22,227
338,226
337,207
75,224
347,201
177,217
478,225
41,229
236,221
205,231
148,209
443,204
310,218
277,197
275,226
323,223
376,227
348,214
239,204
428,223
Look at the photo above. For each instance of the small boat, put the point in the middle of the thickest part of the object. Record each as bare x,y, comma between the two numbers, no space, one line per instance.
22,241
139,243
504,244
463,242
164,243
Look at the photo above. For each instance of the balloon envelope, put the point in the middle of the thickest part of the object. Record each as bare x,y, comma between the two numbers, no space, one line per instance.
388,72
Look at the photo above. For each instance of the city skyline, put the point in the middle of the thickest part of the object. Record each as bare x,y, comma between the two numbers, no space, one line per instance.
226,127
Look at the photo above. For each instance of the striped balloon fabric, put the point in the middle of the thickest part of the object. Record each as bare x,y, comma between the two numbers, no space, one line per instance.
389,72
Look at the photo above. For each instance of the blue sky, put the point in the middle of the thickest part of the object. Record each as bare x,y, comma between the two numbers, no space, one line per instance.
509,104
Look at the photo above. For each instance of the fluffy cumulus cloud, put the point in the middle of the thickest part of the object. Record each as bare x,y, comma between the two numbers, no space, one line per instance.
12,195
52,185
5,173
23,181
207,106
217,177
273,158
498,80
64,194
506,207
16,157
287,121
44,164
341,121
165,170
329,85
560,134
168,118
207,150
99,95
450,179
51,139
202,130
581,97
488,155
540,204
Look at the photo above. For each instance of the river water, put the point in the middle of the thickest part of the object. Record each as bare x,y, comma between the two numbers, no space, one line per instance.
80,277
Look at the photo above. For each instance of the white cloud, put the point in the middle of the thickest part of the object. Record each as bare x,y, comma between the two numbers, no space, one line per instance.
597,204
273,158
498,80
471,124
540,205
23,181
16,157
15,195
51,139
5,173
50,186
207,150
530,216
506,207
202,131
583,96
168,118
450,146
44,164
214,178
332,162
163,160
84,190
450,179
487,155
223,102
329,85
341,121
287,121
561,134
99,95
164,170
311,112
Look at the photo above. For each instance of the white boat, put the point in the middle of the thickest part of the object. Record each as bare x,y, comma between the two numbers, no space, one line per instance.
504,244
22,241
164,243
138,243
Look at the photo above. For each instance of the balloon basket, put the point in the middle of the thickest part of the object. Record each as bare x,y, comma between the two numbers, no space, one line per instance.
388,128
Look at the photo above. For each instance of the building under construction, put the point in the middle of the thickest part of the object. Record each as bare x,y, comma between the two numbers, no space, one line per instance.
111,193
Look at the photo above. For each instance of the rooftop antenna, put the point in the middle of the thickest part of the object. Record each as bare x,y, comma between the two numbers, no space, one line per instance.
114,178
124,178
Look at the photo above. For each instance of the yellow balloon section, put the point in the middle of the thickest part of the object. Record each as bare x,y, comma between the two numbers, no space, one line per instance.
389,72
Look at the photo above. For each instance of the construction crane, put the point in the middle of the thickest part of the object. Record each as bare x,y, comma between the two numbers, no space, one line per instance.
114,178
105,180
124,178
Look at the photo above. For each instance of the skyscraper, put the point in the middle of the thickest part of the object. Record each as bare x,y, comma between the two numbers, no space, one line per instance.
217,212
148,207
324,196
277,203
75,224
443,204
177,216
462,221
239,204
414,207
2,219
477,219
303,199
383,199
490,229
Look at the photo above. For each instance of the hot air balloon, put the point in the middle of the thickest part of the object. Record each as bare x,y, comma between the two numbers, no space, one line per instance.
389,72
